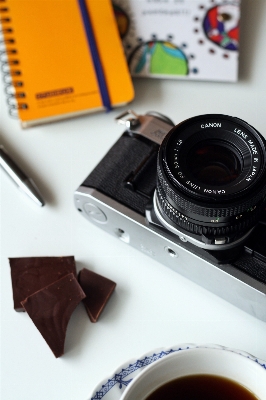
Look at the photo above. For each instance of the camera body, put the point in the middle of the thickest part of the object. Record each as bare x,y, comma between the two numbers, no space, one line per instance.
121,196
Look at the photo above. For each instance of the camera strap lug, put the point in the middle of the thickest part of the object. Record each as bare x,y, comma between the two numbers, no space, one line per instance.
128,118
153,126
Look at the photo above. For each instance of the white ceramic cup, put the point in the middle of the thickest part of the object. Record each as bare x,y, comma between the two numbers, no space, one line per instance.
213,361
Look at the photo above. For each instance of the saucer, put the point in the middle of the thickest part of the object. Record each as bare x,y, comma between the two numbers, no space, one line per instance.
112,387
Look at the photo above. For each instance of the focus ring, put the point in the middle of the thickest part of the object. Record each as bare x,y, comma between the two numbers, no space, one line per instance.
180,220
214,212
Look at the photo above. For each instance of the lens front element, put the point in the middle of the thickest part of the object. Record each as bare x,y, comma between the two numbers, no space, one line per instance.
213,163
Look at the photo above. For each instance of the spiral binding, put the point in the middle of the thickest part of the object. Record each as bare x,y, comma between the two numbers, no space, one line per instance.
11,74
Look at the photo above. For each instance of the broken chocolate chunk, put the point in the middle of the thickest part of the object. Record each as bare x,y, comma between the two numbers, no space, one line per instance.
51,308
98,290
30,274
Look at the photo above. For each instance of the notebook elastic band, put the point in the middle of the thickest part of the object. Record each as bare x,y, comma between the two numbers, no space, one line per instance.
95,55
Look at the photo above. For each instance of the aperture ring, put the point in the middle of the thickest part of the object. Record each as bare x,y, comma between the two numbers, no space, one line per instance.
181,220
214,212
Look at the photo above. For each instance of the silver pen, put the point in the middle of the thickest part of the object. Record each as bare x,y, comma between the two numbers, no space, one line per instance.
23,182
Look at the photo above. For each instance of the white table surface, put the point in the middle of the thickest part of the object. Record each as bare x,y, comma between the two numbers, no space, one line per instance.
152,306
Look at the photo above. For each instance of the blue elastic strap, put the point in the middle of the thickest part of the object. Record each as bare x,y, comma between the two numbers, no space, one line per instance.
95,55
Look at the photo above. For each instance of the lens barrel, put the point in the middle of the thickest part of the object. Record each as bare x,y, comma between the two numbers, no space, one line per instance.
211,179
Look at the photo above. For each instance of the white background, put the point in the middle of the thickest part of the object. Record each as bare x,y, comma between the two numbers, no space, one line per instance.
152,305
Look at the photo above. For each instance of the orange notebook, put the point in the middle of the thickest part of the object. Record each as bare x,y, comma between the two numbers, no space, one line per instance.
53,72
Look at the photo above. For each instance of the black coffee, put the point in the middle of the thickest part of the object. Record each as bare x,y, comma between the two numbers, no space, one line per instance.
202,387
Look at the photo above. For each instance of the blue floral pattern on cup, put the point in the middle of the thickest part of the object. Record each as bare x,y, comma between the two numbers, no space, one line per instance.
121,379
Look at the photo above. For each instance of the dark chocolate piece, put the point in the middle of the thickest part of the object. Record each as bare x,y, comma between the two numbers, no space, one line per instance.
98,290
30,274
51,308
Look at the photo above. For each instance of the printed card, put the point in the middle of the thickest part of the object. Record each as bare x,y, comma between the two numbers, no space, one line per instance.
184,39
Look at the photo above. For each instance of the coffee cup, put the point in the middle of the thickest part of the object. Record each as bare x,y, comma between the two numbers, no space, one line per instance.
216,361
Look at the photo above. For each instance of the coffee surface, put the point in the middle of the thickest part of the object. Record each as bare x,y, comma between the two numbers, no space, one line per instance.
202,387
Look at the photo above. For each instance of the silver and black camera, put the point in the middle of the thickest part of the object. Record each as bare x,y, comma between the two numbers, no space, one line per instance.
192,196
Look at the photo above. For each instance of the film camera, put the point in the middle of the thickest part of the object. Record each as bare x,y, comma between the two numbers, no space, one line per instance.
192,196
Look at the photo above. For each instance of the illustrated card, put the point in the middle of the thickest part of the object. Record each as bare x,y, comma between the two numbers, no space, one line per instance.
184,39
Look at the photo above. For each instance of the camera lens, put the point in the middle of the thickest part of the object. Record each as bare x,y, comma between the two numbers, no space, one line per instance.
214,164
211,181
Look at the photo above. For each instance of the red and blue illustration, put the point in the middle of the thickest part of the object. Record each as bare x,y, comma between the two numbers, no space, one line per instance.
221,26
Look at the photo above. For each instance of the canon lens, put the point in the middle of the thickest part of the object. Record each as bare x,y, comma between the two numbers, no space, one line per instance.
211,183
